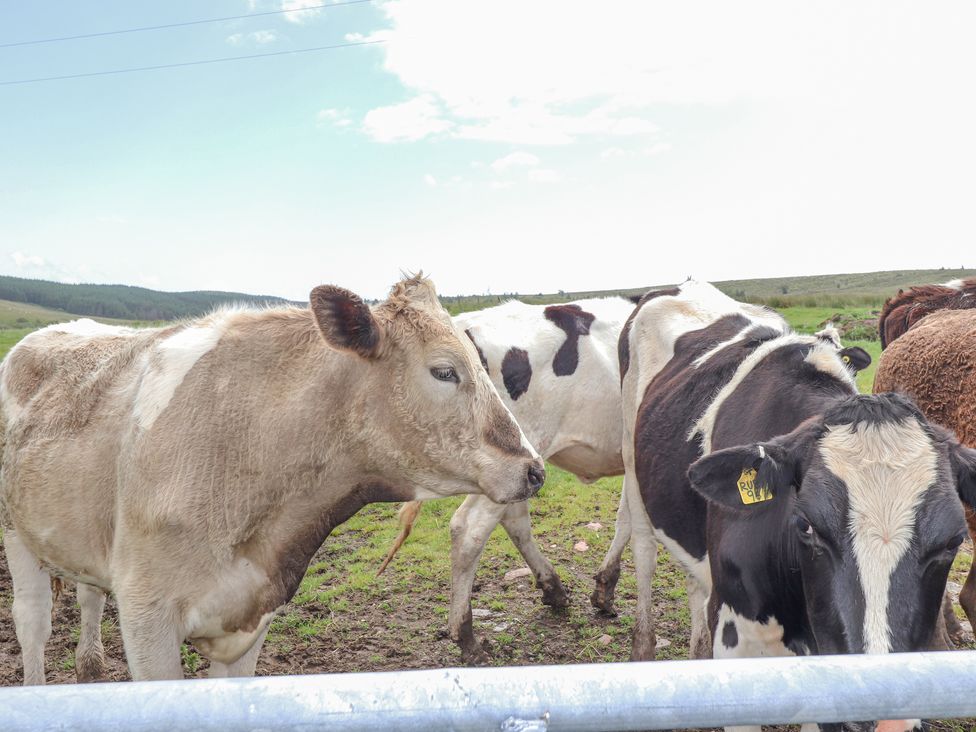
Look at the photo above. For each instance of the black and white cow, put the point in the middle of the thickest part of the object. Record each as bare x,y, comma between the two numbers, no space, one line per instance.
555,368
811,518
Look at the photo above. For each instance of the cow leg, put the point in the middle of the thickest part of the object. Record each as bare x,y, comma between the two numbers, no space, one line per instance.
609,572
471,525
967,596
645,562
89,655
700,646
516,523
243,666
32,606
150,635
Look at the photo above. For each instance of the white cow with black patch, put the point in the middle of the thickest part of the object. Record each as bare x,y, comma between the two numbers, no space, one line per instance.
809,519
556,369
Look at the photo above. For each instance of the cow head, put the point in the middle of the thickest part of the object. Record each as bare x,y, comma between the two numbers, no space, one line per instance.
434,421
866,500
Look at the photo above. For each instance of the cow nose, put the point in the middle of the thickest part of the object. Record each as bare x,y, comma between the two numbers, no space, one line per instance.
536,476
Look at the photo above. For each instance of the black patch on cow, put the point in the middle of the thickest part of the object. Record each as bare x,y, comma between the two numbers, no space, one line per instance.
673,400
730,636
516,372
481,355
574,322
623,343
874,409
761,334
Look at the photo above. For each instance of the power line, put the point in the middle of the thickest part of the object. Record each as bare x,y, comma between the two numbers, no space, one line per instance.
179,25
186,63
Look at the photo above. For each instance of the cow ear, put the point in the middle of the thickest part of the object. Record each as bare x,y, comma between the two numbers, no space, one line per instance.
856,359
963,461
748,477
345,320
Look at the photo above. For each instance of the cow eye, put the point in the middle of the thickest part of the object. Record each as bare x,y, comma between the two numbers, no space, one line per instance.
446,373
803,527
955,542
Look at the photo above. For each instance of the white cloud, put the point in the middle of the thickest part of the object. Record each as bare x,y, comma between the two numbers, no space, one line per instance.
657,148
430,180
302,10
514,160
413,120
25,261
334,117
542,175
264,36
259,38
612,152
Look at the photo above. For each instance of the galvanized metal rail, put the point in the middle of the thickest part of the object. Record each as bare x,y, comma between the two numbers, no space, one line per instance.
615,696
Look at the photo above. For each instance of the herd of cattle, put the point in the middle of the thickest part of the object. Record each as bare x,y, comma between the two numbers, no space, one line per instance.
193,470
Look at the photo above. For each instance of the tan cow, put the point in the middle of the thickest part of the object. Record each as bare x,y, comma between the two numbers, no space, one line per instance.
194,470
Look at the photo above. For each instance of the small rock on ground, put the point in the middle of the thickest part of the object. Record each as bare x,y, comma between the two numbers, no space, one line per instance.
481,612
662,643
604,640
594,525
516,573
581,546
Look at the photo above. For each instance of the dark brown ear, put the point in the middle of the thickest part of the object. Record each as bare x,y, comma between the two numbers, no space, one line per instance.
964,464
345,320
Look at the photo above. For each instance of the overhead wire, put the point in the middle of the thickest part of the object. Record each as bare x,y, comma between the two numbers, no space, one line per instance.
187,63
181,24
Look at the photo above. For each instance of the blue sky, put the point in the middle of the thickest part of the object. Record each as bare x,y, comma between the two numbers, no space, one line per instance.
504,146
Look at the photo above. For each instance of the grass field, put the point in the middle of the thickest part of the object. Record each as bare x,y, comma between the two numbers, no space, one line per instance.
345,618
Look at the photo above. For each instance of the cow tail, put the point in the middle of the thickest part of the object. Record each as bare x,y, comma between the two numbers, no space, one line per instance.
408,514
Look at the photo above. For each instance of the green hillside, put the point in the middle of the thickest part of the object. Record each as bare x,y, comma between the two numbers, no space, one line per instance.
119,301
20,315
833,291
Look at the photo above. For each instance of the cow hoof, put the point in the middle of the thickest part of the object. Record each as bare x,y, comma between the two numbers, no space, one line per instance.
554,594
476,654
602,600
643,649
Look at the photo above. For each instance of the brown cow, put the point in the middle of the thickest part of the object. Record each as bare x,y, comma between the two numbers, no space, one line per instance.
905,309
194,470
935,363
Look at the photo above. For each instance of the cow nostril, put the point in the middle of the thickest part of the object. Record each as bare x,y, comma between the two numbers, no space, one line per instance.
536,477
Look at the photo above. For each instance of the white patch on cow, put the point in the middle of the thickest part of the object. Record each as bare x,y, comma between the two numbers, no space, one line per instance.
824,357
228,647
831,334
11,407
738,337
168,364
706,423
698,569
559,413
754,639
664,319
887,467
86,327
235,586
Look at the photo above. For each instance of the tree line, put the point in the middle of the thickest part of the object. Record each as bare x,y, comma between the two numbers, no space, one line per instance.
121,301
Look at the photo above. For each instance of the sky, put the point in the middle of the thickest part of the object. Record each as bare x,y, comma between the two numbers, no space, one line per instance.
498,146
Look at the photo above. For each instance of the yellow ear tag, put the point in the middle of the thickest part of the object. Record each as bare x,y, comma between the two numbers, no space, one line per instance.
748,490
846,358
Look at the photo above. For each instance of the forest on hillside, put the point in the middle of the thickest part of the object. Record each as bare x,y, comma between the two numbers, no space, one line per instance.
120,301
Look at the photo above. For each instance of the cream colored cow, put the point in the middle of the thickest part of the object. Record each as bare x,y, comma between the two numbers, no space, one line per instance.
194,470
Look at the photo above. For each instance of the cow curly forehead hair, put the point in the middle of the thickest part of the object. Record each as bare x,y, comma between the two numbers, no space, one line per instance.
413,305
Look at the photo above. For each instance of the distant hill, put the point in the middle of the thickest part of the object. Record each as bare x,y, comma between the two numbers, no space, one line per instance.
837,290
118,301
